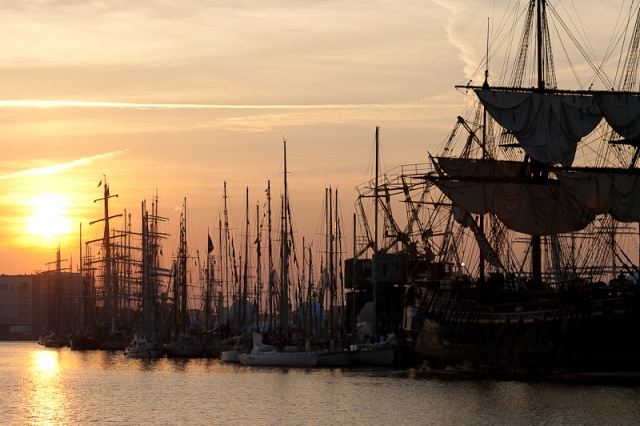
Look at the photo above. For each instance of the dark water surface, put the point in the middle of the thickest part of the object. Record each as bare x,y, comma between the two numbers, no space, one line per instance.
58,386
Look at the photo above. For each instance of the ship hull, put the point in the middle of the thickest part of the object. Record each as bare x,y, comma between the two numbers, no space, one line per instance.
578,333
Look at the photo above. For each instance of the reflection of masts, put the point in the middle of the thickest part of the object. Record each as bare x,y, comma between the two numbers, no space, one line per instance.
111,287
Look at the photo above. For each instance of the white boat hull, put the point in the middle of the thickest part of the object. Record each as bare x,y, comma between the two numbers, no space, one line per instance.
150,351
230,356
279,359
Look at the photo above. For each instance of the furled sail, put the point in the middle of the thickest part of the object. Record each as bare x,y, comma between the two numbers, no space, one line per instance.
606,192
490,186
622,112
548,126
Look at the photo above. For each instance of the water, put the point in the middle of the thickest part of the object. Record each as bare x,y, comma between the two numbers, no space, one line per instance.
58,386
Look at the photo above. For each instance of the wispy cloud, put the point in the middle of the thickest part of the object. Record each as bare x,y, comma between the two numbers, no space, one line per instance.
57,168
83,104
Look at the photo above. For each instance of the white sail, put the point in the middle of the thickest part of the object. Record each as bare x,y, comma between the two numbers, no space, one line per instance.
548,126
489,186
616,194
622,112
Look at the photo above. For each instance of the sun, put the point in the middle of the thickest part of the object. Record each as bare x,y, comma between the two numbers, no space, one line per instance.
49,215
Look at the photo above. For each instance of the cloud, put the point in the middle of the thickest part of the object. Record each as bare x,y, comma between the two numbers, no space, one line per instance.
83,104
58,168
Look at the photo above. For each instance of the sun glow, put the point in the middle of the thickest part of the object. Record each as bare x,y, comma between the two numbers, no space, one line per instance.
46,362
49,215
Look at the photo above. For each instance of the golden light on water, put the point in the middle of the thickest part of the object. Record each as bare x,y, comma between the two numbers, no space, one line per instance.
47,399
49,215
46,362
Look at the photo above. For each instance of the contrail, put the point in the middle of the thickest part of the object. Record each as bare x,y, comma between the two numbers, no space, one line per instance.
57,168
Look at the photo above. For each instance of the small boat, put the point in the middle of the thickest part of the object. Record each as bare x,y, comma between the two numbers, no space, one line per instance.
83,342
113,341
183,343
184,346
267,355
213,347
375,354
231,355
143,347
53,340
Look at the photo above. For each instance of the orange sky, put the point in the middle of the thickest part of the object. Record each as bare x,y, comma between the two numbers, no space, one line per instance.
179,97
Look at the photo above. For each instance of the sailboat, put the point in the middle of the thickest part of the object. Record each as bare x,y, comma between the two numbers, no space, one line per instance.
83,339
184,343
145,343
560,309
267,355
53,337
111,335
334,352
374,342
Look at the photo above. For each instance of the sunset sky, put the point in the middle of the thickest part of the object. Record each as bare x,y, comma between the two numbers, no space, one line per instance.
181,96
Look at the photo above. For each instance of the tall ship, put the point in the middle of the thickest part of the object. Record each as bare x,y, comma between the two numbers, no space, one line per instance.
518,256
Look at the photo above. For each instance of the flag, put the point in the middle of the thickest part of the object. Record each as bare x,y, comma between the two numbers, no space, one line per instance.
210,244
100,183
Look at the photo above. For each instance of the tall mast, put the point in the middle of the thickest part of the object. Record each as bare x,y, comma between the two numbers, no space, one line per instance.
375,238
183,269
484,152
245,284
258,287
540,44
285,250
332,274
209,276
226,250
109,286
270,257
536,251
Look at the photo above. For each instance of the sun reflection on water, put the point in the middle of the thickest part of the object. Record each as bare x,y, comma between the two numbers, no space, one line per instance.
47,396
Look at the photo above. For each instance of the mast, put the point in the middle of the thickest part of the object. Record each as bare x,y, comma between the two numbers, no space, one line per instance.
536,251
220,300
539,45
270,257
80,324
375,238
284,306
226,253
245,284
258,289
484,156
183,270
209,276
332,277
110,286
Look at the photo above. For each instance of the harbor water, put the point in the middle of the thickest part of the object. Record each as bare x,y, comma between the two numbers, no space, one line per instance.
60,386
